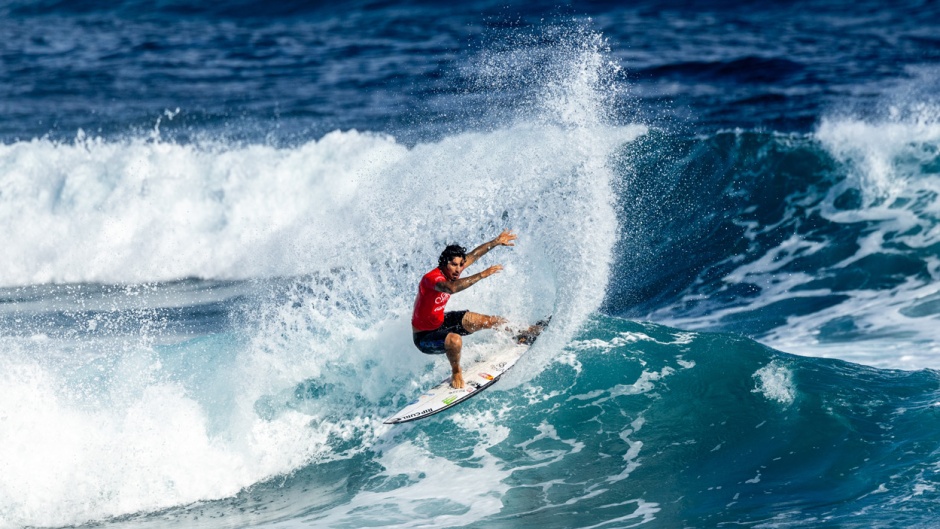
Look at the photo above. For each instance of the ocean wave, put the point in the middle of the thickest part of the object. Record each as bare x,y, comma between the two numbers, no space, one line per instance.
803,241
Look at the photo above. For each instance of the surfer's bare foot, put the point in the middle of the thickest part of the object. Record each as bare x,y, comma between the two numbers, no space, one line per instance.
456,380
527,336
533,329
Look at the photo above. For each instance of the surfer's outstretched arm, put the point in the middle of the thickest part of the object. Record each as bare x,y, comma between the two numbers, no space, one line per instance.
452,287
504,239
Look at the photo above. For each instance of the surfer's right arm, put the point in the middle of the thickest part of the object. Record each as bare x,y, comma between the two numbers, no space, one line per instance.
505,238
452,287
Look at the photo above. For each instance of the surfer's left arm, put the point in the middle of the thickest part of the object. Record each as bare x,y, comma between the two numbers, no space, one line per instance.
505,238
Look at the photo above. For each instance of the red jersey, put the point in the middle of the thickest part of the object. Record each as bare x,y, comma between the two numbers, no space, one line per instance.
429,305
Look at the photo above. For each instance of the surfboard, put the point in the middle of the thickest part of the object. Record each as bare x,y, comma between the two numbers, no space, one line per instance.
477,377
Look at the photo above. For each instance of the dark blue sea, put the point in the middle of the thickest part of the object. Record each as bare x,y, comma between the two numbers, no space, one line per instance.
213,219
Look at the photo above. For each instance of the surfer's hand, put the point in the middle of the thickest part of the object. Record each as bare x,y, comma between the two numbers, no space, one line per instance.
495,269
456,380
505,238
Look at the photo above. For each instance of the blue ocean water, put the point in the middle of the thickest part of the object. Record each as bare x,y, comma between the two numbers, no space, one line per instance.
215,217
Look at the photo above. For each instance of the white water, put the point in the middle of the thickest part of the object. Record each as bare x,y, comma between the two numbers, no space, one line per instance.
140,211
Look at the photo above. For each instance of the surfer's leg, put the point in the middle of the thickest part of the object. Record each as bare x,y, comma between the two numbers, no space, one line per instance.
474,322
452,346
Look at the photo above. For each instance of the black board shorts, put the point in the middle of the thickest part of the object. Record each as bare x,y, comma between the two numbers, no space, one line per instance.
432,342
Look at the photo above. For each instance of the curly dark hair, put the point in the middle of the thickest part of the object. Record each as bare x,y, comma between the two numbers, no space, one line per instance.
452,250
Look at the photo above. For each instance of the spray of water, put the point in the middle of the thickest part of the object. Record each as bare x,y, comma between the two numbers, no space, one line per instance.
337,232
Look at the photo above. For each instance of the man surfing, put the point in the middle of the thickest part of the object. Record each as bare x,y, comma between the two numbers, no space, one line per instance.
439,332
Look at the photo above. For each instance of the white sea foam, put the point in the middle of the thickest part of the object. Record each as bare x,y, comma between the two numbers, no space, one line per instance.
74,452
439,492
775,382
139,211
886,157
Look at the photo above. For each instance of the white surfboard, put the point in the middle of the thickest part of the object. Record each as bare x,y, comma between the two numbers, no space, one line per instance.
477,377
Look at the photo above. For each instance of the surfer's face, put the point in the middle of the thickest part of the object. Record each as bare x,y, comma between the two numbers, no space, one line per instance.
453,268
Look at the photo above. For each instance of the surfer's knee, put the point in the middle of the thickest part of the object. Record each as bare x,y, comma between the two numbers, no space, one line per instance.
453,342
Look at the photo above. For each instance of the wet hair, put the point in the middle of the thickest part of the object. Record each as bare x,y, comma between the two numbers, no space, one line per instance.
452,250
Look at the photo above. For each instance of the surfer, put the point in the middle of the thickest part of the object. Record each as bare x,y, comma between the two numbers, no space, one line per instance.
439,332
